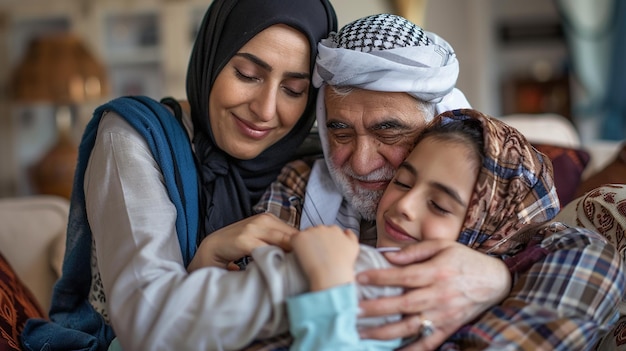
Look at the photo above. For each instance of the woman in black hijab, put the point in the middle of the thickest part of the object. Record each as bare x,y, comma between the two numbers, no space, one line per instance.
146,191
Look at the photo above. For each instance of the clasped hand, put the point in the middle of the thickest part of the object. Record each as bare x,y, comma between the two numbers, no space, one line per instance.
446,282
239,239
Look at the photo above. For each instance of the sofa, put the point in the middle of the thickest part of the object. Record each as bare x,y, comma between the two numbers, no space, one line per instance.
32,228
32,244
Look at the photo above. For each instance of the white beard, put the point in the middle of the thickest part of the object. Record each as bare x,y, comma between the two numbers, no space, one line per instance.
364,201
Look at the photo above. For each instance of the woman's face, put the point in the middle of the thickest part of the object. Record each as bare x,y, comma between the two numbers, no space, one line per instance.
261,92
429,195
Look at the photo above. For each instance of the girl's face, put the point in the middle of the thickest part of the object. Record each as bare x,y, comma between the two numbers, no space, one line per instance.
261,92
429,195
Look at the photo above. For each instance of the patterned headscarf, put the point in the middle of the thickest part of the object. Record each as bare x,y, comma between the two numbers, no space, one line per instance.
230,186
514,188
602,210
387,53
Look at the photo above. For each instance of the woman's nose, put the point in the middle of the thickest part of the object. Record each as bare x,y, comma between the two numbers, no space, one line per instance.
264,104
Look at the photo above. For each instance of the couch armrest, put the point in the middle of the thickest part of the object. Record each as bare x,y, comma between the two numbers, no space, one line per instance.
32,239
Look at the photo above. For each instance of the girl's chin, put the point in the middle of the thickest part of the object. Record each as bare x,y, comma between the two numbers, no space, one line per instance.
386,242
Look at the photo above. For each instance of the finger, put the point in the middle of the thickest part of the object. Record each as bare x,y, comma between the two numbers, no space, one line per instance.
431,342
268,236
232,266
414,276
411,302
409,328
403,328
271,222
417,252
285,241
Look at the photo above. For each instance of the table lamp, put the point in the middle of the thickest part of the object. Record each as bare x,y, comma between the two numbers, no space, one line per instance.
58,69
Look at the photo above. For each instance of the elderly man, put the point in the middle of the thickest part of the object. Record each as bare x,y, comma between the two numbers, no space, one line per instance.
382,78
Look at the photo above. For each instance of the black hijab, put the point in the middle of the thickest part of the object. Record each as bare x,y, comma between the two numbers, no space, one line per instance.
229,186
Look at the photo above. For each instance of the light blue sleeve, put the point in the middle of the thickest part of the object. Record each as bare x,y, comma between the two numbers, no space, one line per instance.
326,320
115,345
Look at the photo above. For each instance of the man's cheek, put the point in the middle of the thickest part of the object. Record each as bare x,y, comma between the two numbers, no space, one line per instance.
339,154
396,154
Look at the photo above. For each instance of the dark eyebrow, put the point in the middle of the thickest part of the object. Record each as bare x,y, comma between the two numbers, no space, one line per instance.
453,194
389,124
333,124
266,66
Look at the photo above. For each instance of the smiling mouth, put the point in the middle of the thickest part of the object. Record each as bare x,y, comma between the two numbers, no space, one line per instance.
373,185
250,130
396,233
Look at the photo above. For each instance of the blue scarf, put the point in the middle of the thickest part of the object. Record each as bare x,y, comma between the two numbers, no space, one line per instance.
74,324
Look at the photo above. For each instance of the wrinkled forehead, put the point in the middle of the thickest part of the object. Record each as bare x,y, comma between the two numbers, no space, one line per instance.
374,109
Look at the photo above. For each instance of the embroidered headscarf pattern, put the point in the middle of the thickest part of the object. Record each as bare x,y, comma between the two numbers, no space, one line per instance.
515,186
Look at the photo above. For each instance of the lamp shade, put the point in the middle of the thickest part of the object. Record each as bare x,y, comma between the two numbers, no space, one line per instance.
58,68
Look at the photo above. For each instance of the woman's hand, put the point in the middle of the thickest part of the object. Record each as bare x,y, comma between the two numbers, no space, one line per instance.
239,239
447,283
327,255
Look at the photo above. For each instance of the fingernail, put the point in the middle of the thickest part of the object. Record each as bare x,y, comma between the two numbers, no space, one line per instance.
362,279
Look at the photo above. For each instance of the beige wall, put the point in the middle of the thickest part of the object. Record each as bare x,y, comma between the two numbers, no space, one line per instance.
468,25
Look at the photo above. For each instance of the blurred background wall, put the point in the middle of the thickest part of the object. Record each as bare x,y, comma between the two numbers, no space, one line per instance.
515,57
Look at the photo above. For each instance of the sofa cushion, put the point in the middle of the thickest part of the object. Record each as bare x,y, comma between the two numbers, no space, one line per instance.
32,239
17,304
613,173
569,165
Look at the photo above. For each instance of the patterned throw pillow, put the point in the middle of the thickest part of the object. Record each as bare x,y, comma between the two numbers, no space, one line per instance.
603,210
17,304
568,165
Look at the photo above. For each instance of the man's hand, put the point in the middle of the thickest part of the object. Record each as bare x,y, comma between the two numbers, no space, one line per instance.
447,283
239,239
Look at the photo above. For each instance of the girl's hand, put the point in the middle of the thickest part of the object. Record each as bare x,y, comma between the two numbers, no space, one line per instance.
327,255
239,239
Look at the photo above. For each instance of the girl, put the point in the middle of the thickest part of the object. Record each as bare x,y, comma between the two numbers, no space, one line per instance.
470,178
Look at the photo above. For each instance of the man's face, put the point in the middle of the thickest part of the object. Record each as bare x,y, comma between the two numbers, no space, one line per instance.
370,133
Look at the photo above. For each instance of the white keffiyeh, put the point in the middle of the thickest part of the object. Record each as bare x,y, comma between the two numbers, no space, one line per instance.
388,53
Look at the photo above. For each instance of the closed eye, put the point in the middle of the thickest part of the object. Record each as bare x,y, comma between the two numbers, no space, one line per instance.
400,184
244,77
438,208
292,92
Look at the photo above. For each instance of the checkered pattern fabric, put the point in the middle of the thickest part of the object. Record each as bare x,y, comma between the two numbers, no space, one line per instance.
380,32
